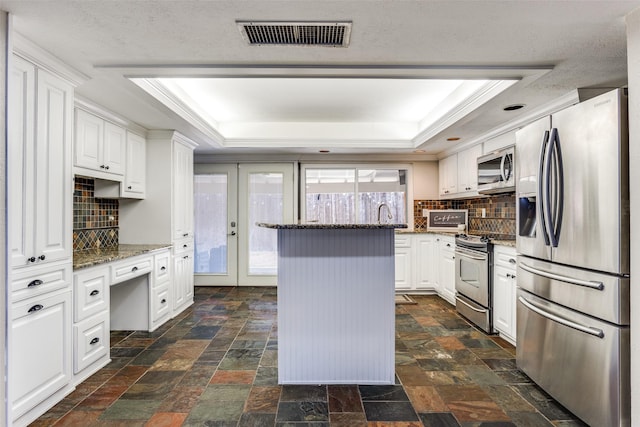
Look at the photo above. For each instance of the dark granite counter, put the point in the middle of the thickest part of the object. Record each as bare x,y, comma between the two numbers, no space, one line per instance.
91,257
315,226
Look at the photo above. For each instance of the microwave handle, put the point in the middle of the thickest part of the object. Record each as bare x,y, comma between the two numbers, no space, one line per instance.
502,174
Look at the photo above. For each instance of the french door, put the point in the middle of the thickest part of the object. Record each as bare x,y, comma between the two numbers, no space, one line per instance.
229,199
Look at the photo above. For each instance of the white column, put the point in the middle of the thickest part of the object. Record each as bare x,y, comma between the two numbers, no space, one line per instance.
633,58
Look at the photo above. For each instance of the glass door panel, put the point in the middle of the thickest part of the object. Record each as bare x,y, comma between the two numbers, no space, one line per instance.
266,195
215,203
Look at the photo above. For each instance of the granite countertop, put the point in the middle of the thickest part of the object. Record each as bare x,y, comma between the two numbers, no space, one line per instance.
91,257
316,226
501,242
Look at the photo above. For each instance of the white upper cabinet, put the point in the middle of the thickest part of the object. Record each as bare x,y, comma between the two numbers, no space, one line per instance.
468,169
458,173
136,167
448,175
39,167
99,147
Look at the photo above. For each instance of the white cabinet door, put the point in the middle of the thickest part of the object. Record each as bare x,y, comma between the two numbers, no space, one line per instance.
504,292
447,173
21,194
403,262
90,292
180,273
54,182
89,140
135,177
468,169
40,350
447,268
115,140
40,181
182,191
425,262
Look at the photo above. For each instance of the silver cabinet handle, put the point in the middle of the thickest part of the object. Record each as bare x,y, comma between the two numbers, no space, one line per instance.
586,283
470,306
566,322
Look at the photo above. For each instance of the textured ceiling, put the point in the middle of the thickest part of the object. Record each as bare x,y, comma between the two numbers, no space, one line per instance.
582,41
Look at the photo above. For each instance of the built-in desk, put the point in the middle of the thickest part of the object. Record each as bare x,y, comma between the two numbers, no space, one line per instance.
336,309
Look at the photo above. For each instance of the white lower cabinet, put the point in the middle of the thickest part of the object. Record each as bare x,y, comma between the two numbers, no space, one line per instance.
504,292
182,276
446,268
91,342
91,300
39,354
418,262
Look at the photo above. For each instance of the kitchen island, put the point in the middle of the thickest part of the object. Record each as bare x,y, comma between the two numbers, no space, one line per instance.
336,310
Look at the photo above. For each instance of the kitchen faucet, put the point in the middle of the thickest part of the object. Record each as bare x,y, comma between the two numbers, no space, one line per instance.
384,205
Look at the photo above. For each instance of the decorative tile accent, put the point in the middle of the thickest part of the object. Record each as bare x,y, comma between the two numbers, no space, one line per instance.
500,214
95,220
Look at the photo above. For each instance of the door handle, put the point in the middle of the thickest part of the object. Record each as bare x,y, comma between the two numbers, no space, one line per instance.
566,322
233,233
571,280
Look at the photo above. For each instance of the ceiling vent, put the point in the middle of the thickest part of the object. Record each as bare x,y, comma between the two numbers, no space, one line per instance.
325,34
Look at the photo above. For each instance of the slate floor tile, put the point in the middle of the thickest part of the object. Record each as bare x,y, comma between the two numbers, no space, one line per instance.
215,365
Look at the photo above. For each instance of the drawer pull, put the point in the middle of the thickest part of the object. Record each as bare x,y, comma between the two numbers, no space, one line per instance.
185,235
164,301
35,308
163,268
96,340
185,257
185,246
129,188
134,269
34,283
94,292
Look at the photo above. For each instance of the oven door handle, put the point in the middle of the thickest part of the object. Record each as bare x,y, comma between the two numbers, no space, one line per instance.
566,322
586,283
468,255
470,306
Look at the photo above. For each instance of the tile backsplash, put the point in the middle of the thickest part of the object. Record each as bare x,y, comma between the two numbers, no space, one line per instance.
95,220
499,220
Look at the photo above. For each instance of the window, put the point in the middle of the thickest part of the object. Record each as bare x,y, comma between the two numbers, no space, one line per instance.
355,195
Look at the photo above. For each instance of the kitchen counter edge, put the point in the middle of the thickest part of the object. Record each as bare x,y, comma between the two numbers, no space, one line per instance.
314,226
91,257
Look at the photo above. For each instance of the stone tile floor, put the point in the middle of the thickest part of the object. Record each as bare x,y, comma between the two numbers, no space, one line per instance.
216,365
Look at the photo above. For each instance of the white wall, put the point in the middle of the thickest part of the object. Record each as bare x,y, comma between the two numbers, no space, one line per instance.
425,180
633,55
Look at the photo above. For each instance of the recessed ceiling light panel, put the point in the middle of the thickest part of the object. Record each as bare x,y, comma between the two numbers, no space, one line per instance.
289,33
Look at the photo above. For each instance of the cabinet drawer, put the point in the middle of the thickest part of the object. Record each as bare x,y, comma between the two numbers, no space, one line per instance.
183,246
90,292
90,340
36,281
505,257
403,241
125,270
160,304
162,267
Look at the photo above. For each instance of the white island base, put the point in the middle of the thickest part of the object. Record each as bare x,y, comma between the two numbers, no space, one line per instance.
336,309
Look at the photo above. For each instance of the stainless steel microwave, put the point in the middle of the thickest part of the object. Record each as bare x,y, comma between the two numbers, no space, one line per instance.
496,172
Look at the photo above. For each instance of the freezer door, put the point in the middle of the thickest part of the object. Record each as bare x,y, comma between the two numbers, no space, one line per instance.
530,236
580,361
601,295
593,231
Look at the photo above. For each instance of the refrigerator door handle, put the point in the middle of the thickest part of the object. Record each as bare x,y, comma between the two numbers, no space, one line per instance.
566,322
558,187
541,193
598,286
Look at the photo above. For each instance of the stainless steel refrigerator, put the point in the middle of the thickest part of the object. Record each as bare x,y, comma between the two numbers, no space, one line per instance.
572,240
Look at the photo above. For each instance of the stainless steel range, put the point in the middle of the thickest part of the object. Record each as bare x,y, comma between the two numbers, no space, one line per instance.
474,271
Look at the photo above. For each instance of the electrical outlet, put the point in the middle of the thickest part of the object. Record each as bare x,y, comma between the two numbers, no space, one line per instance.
483,212
425,212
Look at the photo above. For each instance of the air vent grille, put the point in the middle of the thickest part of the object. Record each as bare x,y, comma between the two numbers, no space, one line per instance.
325,34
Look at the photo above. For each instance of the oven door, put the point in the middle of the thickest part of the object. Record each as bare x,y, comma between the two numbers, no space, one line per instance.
472,275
